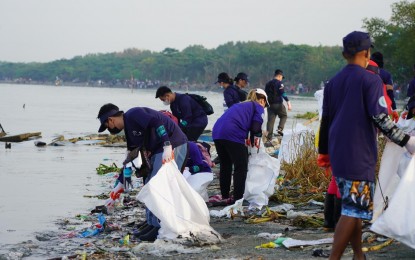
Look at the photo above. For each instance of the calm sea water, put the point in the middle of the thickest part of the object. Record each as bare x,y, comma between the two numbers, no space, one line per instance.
40,185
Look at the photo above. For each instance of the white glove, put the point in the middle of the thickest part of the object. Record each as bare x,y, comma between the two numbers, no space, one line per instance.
289,105
168,153
410,145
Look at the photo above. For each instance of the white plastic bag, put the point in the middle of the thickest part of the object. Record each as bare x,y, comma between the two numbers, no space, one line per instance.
199,182
263,171
180,209
388,178
397,221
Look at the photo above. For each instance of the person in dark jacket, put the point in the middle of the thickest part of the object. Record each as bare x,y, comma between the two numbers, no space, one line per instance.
192,118
231,136
241,81
276,97
158,134
230,93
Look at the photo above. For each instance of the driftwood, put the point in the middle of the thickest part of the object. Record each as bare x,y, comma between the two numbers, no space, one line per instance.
19,138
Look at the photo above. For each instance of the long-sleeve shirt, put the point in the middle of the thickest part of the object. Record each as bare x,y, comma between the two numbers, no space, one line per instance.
275,92
411,88
231,96
188,111
196,159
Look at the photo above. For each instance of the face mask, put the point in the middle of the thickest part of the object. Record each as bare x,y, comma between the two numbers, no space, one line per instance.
114,130
166,102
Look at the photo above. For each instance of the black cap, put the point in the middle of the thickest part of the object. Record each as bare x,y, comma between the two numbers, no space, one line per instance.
161,91
223,77
106,111
378,58
242,76
279,72
356,41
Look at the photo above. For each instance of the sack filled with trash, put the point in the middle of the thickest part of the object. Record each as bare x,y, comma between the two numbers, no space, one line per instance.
181,210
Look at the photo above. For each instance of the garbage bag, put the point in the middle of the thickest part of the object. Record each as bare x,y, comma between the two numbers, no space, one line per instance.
263,171
397,220
180,209
199,182
388,178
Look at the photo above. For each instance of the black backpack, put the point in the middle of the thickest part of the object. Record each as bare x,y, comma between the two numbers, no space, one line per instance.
201,100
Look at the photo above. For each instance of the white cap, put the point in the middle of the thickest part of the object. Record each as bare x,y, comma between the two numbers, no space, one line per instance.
262,92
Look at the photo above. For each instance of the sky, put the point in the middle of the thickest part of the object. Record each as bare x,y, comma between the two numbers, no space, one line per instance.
47,30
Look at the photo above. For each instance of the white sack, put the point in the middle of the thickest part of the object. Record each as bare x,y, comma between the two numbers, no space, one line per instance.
263,171
398,219
180,209
199,182
388,178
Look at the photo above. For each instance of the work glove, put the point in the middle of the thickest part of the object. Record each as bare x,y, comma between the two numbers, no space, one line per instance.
116,192
248,142
410,145
323,160
168,153
257,142
404,114
395,116
289,105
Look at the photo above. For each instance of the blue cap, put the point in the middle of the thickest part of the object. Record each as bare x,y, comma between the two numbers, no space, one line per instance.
356,41
103,119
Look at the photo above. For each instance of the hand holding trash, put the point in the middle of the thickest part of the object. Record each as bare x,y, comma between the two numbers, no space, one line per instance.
404,114
168,153
395,116
116,192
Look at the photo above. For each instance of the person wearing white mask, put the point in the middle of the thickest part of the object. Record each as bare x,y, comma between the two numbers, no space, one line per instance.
192,118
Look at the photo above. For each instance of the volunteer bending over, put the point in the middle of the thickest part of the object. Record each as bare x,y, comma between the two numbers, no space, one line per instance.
149,130
230,134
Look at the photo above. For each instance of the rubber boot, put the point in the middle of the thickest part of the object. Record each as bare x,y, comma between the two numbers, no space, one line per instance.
329,212
151,235
143,231
337,210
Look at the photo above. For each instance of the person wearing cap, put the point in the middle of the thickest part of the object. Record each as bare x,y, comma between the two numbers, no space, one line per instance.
276,95
238,127
386,77
411,87
241,81
192,118
230,93
152,131
353,107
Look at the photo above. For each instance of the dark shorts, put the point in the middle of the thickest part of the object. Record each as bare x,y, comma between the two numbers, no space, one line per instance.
357,198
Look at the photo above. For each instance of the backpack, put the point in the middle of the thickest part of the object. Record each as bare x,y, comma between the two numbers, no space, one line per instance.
201,100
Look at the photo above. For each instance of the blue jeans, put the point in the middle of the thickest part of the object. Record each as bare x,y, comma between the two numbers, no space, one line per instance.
180,153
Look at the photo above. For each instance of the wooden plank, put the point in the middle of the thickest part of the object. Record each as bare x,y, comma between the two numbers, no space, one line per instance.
19,138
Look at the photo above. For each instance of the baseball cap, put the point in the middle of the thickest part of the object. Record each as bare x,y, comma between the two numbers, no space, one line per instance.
106,111
223,77
356,41
243,76
262,92
279,72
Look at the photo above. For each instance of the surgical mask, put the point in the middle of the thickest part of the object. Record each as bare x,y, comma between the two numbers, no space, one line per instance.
166,102
114,130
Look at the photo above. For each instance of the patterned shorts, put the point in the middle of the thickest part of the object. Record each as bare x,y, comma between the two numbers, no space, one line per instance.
357,198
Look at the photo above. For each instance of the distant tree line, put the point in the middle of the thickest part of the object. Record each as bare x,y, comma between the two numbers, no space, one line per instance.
197,65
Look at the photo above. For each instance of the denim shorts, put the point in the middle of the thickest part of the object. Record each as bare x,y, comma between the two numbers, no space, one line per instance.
357,198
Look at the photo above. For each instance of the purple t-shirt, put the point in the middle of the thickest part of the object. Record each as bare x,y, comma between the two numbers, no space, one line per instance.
235,123
138,120
186,108
386,77
351,98
231,95
196,159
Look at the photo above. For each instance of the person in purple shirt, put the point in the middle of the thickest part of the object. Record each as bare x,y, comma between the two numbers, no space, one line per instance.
387,80
192,118
230,134
160,137
411,87
353,107
230,93
195,161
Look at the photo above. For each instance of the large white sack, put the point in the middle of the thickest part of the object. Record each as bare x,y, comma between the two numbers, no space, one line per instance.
180,209
398,219
388,177
263,171
408,126
199,182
